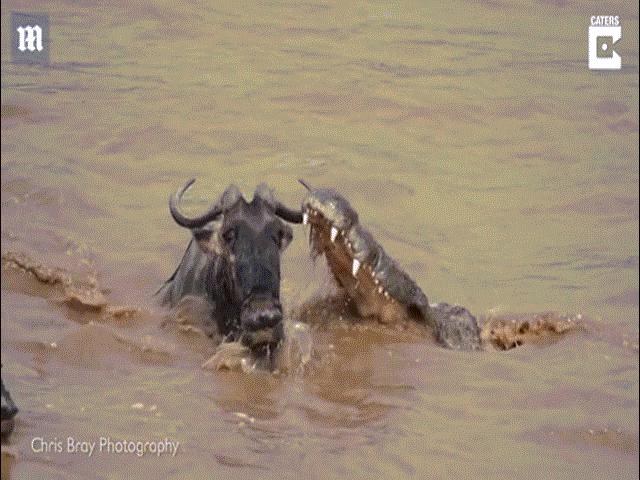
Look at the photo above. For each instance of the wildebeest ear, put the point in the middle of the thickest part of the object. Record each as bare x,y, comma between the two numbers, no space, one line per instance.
207,240
230,197
264,192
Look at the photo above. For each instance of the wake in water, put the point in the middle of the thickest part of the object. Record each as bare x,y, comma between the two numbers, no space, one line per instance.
79,294
85,302
505,333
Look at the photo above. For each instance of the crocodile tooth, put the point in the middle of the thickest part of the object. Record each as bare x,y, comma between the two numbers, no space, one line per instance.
355,267
305,218
380,289
334,233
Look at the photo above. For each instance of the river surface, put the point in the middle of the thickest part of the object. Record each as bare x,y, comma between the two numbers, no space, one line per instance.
476,145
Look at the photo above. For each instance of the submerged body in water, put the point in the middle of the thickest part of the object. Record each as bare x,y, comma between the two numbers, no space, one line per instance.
9,411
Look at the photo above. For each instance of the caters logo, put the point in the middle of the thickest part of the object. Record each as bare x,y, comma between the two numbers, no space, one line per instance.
604,32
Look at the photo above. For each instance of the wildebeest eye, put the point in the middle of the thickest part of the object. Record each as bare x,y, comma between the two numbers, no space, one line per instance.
277,238
281,238
229,236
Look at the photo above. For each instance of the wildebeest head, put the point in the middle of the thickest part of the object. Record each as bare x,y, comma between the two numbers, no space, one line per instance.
244,241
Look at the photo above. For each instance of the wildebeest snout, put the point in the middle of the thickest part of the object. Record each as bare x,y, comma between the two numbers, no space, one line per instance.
259,313
261,322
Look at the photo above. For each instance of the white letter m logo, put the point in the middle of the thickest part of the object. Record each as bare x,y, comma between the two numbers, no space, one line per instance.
30,38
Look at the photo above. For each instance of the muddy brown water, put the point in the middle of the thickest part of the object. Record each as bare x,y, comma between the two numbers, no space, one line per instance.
474,143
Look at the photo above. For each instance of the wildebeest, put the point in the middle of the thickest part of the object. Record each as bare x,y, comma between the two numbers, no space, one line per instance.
8,411
233,260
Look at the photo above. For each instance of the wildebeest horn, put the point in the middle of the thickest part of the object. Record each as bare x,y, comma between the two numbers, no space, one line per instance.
196,222
304,184
287,214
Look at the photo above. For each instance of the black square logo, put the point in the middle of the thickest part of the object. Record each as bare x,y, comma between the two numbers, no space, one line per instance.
30,38
604,47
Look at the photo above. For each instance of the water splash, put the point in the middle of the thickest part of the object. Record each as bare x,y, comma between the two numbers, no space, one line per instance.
297,348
